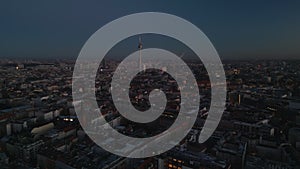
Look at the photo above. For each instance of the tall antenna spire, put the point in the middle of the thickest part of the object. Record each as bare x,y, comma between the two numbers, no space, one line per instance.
140,46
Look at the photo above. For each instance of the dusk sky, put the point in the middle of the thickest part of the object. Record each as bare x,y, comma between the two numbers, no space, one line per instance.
238,30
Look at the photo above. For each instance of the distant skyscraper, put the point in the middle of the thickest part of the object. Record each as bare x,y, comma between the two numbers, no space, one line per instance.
140,46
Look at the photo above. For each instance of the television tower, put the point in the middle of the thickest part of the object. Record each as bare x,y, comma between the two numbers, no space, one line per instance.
140,46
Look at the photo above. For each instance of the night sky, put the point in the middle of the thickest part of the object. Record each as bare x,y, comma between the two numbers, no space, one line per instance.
238,30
